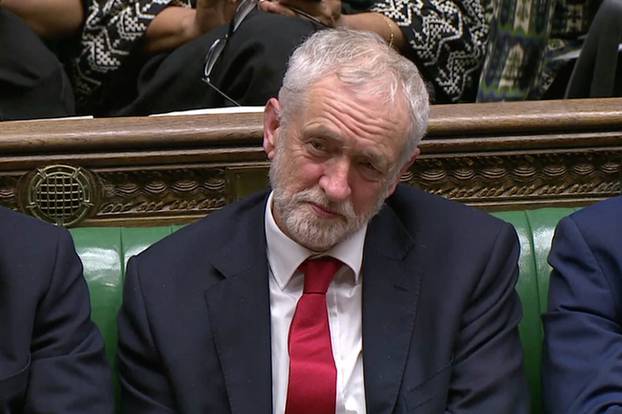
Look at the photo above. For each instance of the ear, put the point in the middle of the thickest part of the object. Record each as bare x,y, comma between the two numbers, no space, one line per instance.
403,170
271,123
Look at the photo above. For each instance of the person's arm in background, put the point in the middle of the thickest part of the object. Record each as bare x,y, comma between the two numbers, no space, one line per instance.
51,19
113,34
378,23
329,13
446,39
176,25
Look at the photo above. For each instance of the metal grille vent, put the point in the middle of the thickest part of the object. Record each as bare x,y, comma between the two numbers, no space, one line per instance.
60,194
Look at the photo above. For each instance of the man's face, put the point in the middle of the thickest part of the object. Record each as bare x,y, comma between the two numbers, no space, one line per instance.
334,164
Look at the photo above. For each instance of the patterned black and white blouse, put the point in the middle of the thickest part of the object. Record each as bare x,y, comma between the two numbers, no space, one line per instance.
112,30
447,39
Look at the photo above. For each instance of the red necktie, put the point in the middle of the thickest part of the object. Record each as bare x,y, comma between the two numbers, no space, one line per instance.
312,385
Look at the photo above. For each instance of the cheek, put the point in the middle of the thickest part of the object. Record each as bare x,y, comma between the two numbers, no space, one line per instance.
365,196
303,174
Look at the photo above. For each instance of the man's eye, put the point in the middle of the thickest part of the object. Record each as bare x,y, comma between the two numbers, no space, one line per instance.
370,170
318,146
368,166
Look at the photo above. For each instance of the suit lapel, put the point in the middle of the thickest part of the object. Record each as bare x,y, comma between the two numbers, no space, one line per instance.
239,312
391,285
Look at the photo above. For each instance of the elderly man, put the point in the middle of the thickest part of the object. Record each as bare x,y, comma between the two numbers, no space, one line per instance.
51,354
339,291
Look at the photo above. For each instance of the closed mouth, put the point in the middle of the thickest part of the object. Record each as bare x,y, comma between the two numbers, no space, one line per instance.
323,212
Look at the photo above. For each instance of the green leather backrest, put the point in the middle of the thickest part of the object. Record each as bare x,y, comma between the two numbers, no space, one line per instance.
535,229
105,251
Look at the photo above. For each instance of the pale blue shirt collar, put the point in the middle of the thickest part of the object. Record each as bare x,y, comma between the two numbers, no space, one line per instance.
285,255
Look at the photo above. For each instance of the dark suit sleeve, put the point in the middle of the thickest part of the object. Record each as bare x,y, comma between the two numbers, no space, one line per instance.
144,385
68,371
488,374
582,366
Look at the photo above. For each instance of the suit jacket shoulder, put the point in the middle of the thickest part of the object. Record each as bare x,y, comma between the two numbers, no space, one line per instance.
417,207
23,230
580,372
446,224
594,235
600,223
221,238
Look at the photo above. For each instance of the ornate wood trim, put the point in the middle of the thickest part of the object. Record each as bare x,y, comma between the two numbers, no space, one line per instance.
177,168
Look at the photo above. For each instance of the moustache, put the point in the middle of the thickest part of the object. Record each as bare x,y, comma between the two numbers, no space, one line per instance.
316,196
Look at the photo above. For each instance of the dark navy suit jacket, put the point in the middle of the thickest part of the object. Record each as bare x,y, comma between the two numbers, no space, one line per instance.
582,367
439,314
51,354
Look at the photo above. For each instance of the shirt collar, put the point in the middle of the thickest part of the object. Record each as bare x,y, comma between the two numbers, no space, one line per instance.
285,255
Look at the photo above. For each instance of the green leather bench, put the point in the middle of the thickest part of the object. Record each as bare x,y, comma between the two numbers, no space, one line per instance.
535,230
105,251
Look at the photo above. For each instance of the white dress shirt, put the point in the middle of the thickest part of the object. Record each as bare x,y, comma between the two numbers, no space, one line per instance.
344,312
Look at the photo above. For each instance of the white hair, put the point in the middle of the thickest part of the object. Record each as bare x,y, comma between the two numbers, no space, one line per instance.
365,62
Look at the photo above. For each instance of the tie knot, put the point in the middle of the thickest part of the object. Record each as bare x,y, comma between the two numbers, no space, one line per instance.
319,272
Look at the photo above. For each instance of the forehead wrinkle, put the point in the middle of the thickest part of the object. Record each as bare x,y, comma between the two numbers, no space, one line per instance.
365,122
317,129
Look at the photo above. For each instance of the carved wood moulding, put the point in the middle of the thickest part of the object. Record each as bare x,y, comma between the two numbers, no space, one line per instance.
174,169
519,180
161,192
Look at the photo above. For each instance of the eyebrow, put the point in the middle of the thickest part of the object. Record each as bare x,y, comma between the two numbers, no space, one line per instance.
321,131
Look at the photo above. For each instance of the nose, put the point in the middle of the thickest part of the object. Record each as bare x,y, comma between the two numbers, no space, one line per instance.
335,180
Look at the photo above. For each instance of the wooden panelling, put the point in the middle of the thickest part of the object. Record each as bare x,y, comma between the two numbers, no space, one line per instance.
177,168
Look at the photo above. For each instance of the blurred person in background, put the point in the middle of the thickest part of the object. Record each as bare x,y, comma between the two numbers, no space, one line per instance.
33,82
151,56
